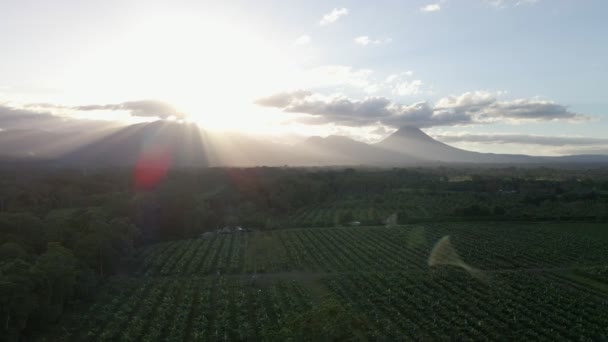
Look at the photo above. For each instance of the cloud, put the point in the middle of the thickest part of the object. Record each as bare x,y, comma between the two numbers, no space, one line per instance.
302,40
365,41
500,4
394,77
484,107
401,84
503,138
143,108
408,88
341,110
431,8
333,16
344,77
344,111
56,116
362,40
335,75
284,99
34,116
468,108
20,118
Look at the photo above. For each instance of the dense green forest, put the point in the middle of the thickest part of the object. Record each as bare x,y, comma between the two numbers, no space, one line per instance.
66,234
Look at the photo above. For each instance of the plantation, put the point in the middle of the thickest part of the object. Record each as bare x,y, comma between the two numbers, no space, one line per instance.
541,282
489,245
287,254
413,206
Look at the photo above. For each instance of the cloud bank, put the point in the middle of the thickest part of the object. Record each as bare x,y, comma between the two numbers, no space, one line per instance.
502,138
477,107
142,108
54,116
34,117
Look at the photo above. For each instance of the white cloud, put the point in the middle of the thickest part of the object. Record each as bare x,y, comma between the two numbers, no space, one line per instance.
333,16
408,88
302,40
525,2
500,4
334,75
394,77
362,40
431,8
366,40
401,84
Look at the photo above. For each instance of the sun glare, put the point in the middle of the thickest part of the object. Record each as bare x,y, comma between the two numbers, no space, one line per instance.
212,69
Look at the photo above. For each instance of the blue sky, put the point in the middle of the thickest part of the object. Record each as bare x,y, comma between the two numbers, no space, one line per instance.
478,73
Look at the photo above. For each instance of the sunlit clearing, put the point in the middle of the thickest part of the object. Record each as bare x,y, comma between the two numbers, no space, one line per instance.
444,253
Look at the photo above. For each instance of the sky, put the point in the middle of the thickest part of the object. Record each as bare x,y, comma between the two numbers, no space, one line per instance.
505,76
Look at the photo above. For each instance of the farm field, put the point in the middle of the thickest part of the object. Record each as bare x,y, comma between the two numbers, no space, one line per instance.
544,281
446,205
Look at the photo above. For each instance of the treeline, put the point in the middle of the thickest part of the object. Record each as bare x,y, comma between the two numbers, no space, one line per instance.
49,263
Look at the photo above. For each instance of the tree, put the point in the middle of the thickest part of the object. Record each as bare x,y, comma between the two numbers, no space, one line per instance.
104,243
61,270
20,283
12,250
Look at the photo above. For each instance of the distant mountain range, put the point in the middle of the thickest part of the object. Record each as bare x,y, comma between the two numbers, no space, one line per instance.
187,145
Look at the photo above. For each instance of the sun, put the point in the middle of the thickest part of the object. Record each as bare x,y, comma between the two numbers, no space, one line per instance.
210,68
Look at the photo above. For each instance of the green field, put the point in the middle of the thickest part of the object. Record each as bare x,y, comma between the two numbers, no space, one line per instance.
544,281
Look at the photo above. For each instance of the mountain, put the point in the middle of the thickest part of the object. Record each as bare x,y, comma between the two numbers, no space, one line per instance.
22,142
186,145
340,150
414,142
181,143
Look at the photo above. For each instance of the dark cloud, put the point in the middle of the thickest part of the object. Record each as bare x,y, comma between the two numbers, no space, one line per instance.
422,115
534,109
143,108
26,118
49,116
520,139
344,111
483,107
16,118
468,108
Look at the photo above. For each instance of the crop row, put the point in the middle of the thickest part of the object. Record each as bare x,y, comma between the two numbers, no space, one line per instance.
374,210
190,309
453,306
487,246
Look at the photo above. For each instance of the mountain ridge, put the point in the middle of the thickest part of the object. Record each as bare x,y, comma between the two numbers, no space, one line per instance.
192,146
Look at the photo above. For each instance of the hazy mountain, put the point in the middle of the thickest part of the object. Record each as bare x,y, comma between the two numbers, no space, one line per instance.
181,143
340,150
186,145
21,142
414,142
